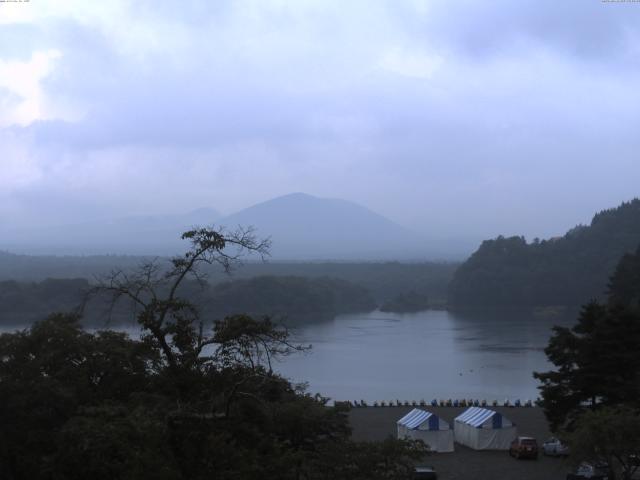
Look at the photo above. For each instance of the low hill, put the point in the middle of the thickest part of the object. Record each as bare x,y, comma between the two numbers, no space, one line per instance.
561,271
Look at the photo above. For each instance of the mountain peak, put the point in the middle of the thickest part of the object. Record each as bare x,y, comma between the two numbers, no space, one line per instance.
303,226
295,197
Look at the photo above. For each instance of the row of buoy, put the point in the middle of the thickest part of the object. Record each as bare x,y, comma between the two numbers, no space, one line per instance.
443,403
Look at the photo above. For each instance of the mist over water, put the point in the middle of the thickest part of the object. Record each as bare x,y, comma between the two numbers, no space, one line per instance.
431,354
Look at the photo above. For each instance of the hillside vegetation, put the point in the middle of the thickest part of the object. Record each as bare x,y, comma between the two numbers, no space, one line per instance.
289,298
283,296
560,271
188,399
384,280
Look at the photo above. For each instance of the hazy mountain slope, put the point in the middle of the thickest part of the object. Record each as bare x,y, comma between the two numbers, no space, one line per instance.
305,227
563,271
135,235
302,227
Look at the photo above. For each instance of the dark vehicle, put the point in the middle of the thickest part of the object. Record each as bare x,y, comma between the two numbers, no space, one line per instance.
425,473
599,471
524,447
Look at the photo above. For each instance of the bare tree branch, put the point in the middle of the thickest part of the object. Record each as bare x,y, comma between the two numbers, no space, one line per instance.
153,289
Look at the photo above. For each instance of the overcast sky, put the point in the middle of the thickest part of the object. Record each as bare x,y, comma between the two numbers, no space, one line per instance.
451,117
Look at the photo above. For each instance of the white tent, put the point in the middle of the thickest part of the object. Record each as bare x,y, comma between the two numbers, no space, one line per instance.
432,430
483,429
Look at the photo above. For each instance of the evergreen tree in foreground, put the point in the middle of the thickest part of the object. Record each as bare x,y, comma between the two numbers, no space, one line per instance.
593,395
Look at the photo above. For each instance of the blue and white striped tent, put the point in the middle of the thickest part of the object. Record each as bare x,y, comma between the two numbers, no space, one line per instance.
428,427
484,429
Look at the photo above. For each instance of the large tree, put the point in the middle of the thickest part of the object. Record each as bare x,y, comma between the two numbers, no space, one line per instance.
609,434
191,399
170,321
597,363
593,396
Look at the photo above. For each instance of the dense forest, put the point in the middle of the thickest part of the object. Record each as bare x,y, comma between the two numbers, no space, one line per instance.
190,399
408,302
287,295
290,299
592,395
558,271
383,280
26,302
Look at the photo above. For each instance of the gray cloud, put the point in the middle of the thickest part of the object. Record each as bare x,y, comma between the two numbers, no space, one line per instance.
590,30
457,118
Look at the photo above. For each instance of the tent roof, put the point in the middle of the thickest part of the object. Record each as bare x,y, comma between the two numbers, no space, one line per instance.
475,416
415,418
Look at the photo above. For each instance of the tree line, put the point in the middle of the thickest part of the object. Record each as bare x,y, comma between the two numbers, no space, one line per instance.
187,400
383,280
592,397
509,271
292,299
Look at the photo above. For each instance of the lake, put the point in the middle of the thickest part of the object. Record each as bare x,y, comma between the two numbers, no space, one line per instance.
376,356
431,354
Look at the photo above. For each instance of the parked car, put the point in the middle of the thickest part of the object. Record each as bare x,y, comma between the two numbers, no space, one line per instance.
425,473
598,471
555,448
524,447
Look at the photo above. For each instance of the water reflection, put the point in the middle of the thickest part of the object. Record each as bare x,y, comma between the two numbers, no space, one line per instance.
484,354
431,354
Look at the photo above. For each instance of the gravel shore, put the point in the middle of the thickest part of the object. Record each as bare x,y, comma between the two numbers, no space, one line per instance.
371,423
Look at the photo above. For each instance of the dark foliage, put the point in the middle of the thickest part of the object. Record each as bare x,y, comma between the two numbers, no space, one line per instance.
22,302
598,360
181,402
610,435
598,363
624,286
593,396
384,280
406,302
291,298
559,271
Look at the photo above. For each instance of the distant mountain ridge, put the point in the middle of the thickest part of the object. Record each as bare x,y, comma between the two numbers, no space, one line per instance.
304,227
301,226
569,270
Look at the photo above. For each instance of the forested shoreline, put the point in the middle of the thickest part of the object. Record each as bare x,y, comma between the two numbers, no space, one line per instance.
502,273
187,400
291,299
509,271
293,291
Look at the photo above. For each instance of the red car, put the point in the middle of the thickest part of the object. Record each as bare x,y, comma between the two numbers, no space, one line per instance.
524,447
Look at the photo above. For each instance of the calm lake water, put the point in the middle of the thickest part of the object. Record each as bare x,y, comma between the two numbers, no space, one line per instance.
431,354
425,355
